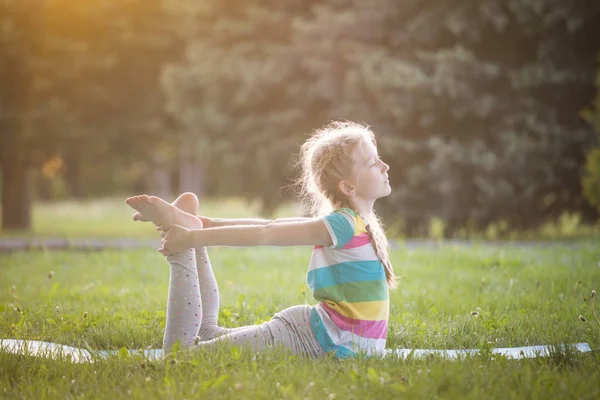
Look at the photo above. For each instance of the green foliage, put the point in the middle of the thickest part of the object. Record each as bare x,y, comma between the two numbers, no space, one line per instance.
469,100
449,297
475,103
591,181
82,88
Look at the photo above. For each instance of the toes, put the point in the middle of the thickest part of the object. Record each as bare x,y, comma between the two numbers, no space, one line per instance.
153,199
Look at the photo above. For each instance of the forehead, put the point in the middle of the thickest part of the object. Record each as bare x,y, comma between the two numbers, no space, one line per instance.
366,149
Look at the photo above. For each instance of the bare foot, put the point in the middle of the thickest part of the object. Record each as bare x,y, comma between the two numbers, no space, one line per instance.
138,217
160,212
187,202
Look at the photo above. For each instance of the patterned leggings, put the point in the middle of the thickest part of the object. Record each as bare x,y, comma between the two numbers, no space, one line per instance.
193,308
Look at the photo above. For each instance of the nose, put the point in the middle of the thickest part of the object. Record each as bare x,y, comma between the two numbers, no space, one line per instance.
385,167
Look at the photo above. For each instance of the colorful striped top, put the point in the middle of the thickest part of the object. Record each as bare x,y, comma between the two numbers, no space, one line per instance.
348,280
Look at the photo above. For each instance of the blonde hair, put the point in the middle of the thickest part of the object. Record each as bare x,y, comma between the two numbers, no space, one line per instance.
327,158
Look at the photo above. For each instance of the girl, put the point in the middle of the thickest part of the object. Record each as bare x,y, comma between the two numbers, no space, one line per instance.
349,271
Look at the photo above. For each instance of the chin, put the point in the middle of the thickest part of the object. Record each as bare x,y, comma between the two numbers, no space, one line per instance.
385,193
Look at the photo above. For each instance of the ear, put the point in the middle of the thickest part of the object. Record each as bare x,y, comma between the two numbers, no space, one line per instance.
346,188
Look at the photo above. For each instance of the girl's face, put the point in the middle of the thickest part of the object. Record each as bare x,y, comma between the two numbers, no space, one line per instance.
370,178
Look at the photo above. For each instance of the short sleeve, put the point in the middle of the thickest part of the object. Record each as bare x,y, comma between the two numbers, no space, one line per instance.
341,226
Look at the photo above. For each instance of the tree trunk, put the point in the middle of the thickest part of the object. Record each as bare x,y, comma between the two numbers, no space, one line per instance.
16,196
15,84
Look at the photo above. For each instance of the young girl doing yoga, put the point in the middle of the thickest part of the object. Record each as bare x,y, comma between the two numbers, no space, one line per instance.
349,272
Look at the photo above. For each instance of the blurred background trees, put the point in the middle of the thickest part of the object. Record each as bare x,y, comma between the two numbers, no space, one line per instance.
591,180
79,98
476,104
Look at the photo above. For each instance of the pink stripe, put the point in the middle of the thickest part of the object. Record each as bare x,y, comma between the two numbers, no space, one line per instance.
357,241
318,247
366,329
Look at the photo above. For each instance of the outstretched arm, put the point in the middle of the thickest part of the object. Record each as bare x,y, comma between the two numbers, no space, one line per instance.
299,233
221,222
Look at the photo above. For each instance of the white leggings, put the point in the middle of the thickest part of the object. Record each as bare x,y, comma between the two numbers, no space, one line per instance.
193,308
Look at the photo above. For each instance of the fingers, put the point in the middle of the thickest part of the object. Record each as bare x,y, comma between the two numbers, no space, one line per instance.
165,252
162,228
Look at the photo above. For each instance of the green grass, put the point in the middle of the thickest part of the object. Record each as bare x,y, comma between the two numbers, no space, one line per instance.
524,296
111,217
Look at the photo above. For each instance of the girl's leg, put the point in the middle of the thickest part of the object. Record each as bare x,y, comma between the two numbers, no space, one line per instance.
184,307
193,305
188,204
192,309
289,329
209,293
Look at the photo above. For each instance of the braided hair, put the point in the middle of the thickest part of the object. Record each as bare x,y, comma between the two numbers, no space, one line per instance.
327,158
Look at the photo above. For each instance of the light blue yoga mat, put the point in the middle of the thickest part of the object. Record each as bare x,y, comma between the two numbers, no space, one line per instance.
59,351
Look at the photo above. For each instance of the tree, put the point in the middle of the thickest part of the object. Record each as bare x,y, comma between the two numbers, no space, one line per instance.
236,95
78,79
475,103
591,181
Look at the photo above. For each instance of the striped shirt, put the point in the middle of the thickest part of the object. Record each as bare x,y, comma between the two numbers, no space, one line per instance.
348,280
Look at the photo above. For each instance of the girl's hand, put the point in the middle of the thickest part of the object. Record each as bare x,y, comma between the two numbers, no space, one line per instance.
175,239
207,222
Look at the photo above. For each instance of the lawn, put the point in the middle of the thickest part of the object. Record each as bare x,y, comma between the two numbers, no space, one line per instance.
111,217
449,297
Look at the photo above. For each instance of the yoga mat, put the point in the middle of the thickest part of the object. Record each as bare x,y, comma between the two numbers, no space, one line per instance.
76,355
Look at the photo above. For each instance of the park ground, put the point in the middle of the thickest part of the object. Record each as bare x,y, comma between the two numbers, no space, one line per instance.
450,296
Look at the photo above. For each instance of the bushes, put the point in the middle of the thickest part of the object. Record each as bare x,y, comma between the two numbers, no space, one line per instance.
591,181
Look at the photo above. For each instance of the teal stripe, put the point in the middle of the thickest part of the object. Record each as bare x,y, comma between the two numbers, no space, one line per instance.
323,337
353,292
342,229
352,271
